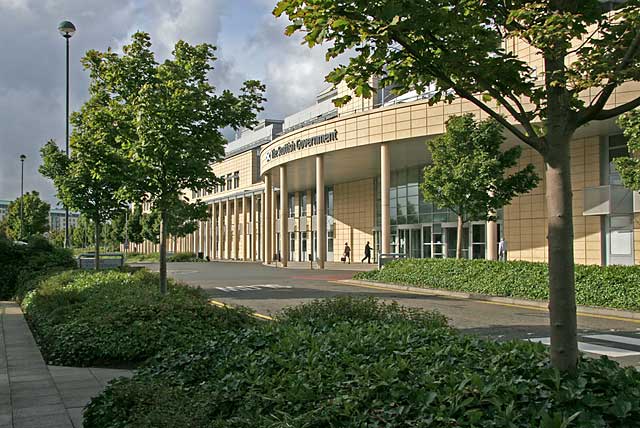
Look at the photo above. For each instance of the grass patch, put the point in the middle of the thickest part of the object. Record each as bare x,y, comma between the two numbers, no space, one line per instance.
601,286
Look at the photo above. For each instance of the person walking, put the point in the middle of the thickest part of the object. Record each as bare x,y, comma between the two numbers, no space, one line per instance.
502,250
347,253
367,254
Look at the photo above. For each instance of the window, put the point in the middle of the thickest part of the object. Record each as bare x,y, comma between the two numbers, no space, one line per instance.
236,179
229,182
314,203
303,205
292,206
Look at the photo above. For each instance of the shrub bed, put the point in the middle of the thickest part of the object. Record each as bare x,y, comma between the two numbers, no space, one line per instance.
386,367
155,257
117,318
22,264
603,286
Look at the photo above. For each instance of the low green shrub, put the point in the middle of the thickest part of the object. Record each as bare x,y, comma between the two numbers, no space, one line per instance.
380,369
116,318
603,286
20,263
183,257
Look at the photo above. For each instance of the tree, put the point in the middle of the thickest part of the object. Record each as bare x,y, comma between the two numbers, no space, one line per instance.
468,172
459,47
170,121
134,226
88,181
36,217
56,237
82,235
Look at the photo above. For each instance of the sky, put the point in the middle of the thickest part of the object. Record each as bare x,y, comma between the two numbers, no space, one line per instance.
250,42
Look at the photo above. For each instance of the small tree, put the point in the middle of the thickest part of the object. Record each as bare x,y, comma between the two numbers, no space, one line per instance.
468,171
135,226
170,121
464,49
83,233
35,213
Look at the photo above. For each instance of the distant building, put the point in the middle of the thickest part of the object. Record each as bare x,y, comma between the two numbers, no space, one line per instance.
4,208
57,219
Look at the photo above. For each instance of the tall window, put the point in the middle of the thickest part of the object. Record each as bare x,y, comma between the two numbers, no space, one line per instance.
229,182
303,204
236,179
292,207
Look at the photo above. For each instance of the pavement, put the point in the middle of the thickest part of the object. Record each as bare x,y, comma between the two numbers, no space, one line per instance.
33,394
268,290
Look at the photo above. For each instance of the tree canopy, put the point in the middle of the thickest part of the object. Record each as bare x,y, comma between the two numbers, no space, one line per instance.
36,217
169,121
469,171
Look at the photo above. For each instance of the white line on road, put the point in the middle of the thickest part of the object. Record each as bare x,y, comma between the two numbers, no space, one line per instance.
615,338
252,287
592,348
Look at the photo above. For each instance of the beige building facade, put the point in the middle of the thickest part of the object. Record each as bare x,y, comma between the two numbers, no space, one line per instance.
302,188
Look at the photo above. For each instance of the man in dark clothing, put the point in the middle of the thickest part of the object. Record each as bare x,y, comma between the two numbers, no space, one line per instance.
367,254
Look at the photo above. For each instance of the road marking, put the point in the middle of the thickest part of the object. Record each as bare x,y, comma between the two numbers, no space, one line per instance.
487,302
592,348
252,287
224,305
615,338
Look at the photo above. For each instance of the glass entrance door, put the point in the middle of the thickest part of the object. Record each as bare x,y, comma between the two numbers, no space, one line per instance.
415,242
409,242
426,242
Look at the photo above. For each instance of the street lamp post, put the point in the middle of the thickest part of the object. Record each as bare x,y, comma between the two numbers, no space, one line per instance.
67,29
22,158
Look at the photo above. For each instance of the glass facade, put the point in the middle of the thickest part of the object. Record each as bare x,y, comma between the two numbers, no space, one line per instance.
419,228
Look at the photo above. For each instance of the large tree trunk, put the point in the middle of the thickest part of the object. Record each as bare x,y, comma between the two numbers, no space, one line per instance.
560,126
562,296
97,253
459,239
163,252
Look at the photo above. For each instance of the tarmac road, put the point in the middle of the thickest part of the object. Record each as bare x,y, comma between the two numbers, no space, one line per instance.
267,290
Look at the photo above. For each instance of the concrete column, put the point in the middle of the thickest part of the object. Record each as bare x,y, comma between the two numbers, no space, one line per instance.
236,229
385,185
214,232
228,230
321,216
284,215
492,240
254,228
221,231
274,219
244,228
268,199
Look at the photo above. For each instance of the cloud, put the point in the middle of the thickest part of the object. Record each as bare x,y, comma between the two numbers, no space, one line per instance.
251,45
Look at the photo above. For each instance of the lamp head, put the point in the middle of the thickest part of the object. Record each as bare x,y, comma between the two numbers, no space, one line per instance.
22,158
67,29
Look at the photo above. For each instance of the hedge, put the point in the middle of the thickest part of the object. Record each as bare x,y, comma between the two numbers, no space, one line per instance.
380,369
21,264
603,286
112,318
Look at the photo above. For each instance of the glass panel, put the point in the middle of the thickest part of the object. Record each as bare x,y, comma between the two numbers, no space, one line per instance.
416,243
438,246
479,234
426,242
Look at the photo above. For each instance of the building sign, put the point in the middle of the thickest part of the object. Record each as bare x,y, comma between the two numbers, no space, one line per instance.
300,144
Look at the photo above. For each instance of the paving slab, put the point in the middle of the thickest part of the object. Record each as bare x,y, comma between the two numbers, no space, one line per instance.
34,395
